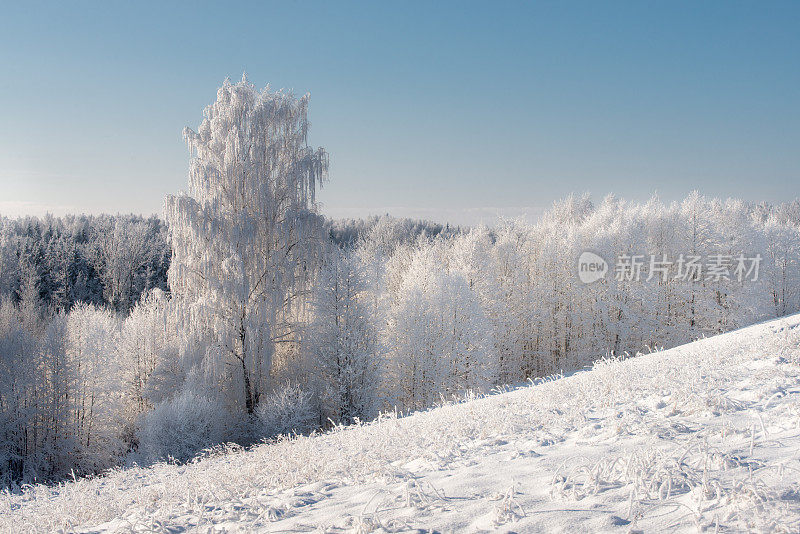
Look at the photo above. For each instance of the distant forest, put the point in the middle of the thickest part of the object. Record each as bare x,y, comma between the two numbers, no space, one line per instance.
112,260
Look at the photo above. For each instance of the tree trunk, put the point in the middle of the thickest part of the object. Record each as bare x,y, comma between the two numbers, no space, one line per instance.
249,398
248,390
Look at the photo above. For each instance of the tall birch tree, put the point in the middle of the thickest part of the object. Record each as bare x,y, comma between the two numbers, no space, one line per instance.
247,233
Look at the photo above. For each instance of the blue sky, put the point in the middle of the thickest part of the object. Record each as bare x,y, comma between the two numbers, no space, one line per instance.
438,109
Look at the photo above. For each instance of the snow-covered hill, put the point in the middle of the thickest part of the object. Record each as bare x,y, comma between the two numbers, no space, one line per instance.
703,436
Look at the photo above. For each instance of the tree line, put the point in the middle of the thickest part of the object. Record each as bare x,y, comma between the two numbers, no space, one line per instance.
104,260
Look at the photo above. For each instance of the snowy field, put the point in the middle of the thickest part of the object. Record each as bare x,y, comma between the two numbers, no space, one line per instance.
701,437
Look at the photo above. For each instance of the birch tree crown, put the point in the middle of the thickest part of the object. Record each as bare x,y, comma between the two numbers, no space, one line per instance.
252,178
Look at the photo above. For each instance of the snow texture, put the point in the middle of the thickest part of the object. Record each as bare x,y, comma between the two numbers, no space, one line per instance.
705,436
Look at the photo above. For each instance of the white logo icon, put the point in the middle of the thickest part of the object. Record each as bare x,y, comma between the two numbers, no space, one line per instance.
591,267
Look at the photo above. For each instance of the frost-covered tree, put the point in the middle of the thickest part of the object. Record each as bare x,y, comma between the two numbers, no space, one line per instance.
149,347
125,250
246,235
341,340
100,395
101,259
439,339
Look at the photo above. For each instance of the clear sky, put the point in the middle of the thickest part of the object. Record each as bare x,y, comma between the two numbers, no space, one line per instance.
447,110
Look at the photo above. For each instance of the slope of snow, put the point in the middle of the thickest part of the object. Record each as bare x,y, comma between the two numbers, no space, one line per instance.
703,436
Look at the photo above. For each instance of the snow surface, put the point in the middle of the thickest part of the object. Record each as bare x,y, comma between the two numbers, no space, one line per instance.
703,436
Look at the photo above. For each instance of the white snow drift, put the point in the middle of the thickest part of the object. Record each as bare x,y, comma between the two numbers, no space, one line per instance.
705,436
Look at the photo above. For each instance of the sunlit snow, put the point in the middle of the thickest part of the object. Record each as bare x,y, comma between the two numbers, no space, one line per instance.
702,436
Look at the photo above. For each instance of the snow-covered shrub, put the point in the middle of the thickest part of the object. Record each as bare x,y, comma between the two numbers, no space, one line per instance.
181,427
287,411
